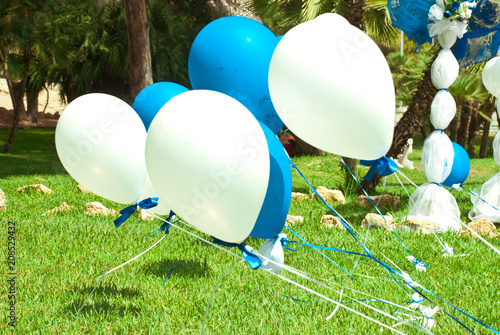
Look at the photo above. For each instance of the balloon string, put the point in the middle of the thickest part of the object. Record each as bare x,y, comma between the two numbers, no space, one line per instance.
100,278
133,258
376,208
300,274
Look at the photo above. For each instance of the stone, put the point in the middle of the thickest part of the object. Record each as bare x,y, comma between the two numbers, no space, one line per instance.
293,219
379,200
145,215
329,195
63,208
38,188
297,196
375,221
330,222
3,201
83,189
483,227
425,227
95,207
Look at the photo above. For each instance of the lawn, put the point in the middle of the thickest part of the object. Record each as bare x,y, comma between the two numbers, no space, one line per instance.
59,256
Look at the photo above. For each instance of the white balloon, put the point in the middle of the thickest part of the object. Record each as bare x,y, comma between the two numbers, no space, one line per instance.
208,159
491,76
332,87
100,141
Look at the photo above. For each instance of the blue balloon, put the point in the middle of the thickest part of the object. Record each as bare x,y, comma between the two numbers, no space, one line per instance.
460,168
231,55
272,216
152,98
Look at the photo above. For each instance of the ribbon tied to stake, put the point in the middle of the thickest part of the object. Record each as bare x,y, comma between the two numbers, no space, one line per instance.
249,256
383,166
419,264
129,210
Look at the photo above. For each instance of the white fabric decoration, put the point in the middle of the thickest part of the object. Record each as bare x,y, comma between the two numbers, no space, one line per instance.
498,108
437,157
428,314
431,202
448,251
443,109
490,192
416,300
491,76
448,29
496,148
273,250
419,266
444,69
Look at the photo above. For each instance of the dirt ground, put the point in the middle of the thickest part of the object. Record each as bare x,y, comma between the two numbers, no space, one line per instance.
48,119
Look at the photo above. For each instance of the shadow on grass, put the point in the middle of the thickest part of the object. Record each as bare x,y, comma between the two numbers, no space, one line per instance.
177,268
98,301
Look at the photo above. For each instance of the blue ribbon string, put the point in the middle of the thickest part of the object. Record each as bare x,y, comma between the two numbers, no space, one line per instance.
388,268
322,254
252,259
475,195
384,166
286,244
166,224
129,210
375,206
454,307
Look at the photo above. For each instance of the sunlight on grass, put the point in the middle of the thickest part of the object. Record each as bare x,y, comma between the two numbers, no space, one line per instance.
60,255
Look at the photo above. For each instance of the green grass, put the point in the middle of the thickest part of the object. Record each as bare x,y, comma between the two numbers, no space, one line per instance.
59,257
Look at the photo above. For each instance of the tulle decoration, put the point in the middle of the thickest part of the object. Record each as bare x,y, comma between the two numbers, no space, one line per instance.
444,69
443,109
486,198
431,202
437,157
490,193
496,147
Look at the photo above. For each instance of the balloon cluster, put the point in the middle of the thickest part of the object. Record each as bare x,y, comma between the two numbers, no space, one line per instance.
211,154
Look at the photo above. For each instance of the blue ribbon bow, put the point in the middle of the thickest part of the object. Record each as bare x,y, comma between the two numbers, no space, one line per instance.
129,210
384,166
250,257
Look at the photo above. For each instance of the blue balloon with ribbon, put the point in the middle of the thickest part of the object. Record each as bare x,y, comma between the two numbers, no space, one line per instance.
383,166
152,98
460,168
272,216
231,55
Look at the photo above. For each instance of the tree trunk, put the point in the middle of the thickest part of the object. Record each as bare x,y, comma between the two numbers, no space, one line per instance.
223,8
411,121
474,119
463,129
140,69
356,14
32,102
453,127
17,94
485,138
